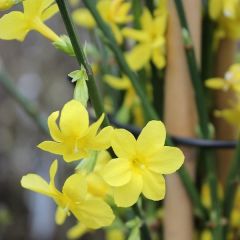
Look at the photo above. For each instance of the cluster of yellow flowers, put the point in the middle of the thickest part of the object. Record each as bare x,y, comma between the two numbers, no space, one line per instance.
227,15
150,38
230,82
138,167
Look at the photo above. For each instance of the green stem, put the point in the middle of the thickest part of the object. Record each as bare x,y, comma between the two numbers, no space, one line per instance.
92,88
150,5
230,188
145,234
149,110
27,106
207,47
202,115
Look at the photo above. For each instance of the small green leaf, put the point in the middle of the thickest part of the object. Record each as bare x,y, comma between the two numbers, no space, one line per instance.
64,44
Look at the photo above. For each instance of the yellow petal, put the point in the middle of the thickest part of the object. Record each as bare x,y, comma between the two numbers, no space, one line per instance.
103,140
52,147
35,7
83,18
94,213
35,183
122,13
117,172
123,143
146,20
117,33
117,82
158,58
139,56
153,185
160,24
152,138
92,130
52,172
60,215
20,29
135,34
70,155
74,119
165,161
77,231
75,187
215,83
53,127
215,8
127,195
49,12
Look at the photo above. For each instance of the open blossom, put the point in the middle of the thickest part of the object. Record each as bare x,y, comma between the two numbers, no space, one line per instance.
151,40
231,80
140,164
35,13
74,198
74,139
227,15
113,12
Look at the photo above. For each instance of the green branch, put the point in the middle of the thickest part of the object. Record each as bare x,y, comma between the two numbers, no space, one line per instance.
82,60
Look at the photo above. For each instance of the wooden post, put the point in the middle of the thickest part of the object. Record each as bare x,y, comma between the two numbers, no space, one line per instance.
180,118
224,131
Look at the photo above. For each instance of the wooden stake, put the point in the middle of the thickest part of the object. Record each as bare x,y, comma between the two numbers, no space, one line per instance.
225,131
180,118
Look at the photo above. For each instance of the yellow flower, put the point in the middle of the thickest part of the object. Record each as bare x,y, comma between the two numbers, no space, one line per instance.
231,80
97,187
140,164
114,234
131,100
227,15
113,12
77,231
151,41
92,212
231,115
33,17
206,235
206,196
235,215
74,139
6,4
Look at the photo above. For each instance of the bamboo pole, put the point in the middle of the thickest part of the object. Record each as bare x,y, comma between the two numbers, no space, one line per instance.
180,118
225,131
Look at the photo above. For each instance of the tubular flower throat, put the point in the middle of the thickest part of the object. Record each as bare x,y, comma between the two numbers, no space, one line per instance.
151,40
33,17
74,139
140,164
92,212
113,12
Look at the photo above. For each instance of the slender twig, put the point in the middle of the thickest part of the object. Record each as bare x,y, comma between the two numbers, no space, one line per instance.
82,60
25,103
230,188
202,115
149,110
